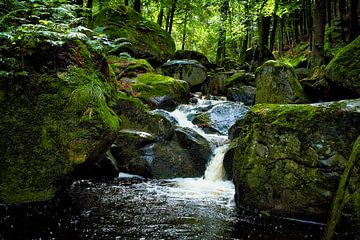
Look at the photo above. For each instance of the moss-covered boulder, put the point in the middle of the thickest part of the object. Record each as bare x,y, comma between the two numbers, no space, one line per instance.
160,91
276,82
289,158
190,71
55,115
343,70
240,78
134,34
127,67
191,55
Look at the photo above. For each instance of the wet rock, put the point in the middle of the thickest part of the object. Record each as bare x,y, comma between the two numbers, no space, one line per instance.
171,160
289,158
191,55
276,82
160,91
240,78
343,71
134,34
190,71
53,120
317,87
244,94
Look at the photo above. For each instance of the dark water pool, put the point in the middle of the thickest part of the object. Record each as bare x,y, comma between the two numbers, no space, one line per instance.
138,209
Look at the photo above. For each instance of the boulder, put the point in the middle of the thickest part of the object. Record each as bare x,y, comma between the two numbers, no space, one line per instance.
220,117
276,82
55,116
317,87
190,71
289,158
240,78
133,34
171,160
244,94
343,71
160,91
191,55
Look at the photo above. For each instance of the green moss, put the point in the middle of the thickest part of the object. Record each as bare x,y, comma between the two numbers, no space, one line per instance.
49,129
234,79
342,195
344,68
150,85
139,36
277,82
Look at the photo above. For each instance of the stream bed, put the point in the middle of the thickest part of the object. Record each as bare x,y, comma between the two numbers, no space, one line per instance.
133,208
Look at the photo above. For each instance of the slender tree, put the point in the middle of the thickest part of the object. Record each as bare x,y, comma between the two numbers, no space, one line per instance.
161,14
126,2
354,22
172,14
319,32
137,5
221,49
185,26
274,26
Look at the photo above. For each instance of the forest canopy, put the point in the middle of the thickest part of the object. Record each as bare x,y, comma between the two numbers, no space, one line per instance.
221,29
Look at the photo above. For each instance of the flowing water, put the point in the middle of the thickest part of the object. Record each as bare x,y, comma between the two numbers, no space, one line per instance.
131,207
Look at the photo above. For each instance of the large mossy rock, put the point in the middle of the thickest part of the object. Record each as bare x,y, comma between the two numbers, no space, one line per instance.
276,82
160,91
288,159
190,71
191,55
343,70
55,115
134,34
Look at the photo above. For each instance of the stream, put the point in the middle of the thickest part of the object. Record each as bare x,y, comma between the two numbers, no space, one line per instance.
131,207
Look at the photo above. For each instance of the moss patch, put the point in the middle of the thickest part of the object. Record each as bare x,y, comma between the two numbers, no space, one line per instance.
344,69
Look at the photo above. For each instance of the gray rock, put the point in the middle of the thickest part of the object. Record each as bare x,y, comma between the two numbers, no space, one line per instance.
190,71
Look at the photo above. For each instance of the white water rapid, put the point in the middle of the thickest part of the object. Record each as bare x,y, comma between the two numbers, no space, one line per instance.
213,183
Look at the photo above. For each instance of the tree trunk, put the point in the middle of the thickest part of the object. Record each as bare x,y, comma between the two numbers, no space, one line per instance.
161,15
245,41
172,14
328,16
354,25
80,2
342,19
319,32
221,50
89,4
137,6
184,30
126,2
281,36
167,20
274,26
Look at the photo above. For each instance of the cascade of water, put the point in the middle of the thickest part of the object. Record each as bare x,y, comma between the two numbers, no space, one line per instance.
215,170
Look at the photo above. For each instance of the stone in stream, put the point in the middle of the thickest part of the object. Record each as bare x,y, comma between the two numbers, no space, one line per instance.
191,55
160,91
220,117
244,94
276,82
288,159
190,71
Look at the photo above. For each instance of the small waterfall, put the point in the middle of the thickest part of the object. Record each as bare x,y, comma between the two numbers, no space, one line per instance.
215,170
184,115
